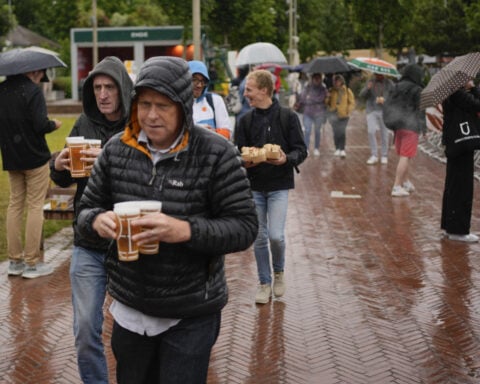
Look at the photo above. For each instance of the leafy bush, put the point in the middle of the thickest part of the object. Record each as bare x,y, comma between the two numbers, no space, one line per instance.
63,83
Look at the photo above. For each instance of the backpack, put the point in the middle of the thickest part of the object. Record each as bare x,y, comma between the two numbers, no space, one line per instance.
399,108
209,98
233,101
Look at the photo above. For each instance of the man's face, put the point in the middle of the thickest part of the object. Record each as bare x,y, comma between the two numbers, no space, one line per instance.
255,95
159,117
199,84
107,96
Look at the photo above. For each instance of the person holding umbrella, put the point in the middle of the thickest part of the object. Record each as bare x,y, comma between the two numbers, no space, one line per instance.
312,101
453,87
462,106
25,156
341,103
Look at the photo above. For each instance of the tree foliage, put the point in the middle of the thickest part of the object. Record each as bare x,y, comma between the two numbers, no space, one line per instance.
330,26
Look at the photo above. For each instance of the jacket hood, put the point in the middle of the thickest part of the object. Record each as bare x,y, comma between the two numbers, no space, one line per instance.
171,77
199,67
113,67
414,73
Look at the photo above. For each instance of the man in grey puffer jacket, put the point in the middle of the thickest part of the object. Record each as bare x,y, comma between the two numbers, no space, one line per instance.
106,105
167,307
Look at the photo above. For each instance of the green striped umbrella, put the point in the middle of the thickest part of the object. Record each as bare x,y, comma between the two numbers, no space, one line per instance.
372,64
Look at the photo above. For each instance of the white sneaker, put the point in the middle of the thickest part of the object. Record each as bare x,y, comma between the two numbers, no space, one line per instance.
384,160
264,292
37,270
343,154
337,153
279,284
399,191
372,160
316,152
408,186
15,268
470,238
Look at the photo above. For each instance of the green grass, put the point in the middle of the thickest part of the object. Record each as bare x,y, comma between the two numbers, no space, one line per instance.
56,141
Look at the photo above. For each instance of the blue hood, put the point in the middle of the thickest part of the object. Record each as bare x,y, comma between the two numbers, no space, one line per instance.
199,67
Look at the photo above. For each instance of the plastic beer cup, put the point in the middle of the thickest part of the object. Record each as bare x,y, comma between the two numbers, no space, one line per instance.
127,249
76,144
148,207
92,143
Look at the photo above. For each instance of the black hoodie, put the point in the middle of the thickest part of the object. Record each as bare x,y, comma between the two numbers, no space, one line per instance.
93,125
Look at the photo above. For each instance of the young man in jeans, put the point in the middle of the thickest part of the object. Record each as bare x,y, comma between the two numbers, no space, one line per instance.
272,179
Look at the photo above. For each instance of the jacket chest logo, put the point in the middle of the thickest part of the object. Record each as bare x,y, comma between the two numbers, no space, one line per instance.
176,183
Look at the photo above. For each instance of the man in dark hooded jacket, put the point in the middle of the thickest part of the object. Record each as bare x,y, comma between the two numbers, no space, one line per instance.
411,123
167,306
24,123
106,104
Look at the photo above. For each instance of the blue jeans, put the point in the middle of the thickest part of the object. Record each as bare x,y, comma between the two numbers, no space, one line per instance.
308,122
88,278
375,123
272,214
179,355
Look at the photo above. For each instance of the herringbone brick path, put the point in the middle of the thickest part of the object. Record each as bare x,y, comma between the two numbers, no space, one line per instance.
375,295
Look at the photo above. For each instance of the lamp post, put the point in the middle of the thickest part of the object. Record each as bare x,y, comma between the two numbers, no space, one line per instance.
293,57
196,29
94,34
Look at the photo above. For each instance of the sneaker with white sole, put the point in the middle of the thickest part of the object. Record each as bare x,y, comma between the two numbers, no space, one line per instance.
37,270
337,153
384,160
16,268
264,292
470,238
343,153
316,152
399,191
408,186
278,284
372,160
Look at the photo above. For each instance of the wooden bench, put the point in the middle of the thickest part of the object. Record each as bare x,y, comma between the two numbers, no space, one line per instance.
59,204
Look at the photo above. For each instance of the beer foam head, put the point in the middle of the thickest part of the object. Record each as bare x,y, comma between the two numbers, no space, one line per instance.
126,210
150,205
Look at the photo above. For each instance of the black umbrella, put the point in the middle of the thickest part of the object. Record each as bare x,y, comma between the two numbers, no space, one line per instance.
23,60
327,64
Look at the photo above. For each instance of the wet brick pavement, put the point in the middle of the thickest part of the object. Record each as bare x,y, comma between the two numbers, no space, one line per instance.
375,295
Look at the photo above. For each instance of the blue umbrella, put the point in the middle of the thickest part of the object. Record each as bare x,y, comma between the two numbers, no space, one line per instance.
23,60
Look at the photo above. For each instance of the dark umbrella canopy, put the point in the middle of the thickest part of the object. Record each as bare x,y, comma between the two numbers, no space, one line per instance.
327,64
18,61
450,79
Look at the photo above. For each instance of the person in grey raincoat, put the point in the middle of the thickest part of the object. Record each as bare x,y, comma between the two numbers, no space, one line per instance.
106,106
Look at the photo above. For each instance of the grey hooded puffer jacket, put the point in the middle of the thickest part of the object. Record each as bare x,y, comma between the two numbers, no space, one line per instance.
202,182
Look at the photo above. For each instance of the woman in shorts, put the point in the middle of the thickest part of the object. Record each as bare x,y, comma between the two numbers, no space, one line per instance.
413,123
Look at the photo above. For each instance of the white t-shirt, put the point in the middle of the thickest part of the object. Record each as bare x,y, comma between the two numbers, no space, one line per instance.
204,115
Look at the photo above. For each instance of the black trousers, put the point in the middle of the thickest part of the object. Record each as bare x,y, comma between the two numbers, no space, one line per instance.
458,195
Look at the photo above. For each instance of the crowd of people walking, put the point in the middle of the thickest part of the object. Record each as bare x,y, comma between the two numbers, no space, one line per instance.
167,138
